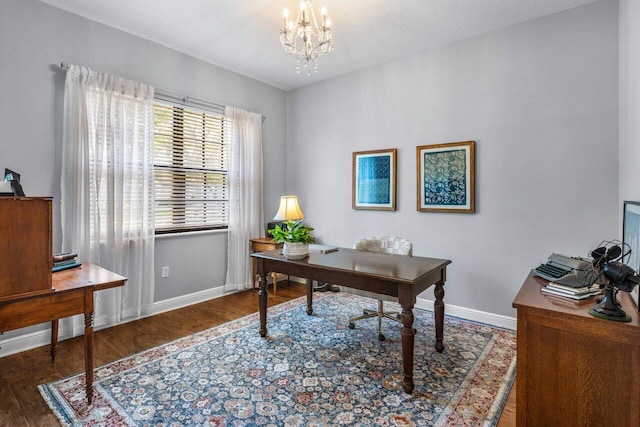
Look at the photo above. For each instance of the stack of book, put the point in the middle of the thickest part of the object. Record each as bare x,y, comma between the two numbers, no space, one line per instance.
576,293
64,261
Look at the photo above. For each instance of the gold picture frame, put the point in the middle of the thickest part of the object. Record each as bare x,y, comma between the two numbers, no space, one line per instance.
446,177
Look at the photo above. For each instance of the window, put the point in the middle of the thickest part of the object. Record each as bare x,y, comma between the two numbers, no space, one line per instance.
190,170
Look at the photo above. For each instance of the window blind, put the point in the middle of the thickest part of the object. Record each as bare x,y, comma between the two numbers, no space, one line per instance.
190,169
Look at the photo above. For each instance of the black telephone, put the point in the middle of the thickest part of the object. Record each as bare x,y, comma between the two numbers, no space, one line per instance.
14,178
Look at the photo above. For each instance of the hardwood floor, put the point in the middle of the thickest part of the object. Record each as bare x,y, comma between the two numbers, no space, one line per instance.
20,374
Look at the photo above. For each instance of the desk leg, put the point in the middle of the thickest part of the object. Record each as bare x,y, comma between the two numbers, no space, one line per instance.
88,343
54,339
309,297
438,308
262,302
407,348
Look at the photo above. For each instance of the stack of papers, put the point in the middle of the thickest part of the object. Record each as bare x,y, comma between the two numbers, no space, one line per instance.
571,292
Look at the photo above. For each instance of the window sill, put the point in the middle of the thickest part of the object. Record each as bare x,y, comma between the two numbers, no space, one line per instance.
191,233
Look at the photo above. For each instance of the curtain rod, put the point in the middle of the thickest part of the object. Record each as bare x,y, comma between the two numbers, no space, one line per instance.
177,97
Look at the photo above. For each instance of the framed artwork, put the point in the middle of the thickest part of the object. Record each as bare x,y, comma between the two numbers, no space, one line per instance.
374,180
631,237
446,177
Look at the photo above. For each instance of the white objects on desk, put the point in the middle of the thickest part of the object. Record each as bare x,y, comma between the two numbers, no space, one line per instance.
323,249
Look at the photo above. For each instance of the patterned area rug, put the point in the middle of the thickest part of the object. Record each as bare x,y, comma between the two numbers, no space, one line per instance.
309,371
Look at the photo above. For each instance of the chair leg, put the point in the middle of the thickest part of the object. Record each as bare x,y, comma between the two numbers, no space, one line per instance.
367,315
274,278
380,314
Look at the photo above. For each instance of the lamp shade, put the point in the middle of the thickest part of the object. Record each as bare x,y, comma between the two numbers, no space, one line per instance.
289,209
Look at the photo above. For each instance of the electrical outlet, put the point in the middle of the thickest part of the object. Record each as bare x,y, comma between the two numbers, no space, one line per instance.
165,271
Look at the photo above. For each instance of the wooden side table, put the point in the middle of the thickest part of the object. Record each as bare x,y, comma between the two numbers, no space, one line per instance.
263,244
73,293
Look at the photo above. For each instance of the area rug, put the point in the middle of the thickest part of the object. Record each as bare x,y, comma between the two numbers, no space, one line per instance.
308,371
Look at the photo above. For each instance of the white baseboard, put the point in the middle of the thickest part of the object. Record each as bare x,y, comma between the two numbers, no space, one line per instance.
471,314
186,300
41,338
25,342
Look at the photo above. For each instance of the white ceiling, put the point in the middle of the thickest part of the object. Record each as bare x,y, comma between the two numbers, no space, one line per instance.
243,35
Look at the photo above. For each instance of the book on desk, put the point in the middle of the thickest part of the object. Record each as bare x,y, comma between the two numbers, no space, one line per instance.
64,261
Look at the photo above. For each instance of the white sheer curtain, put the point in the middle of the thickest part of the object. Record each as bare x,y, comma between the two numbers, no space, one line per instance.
244,133
107,186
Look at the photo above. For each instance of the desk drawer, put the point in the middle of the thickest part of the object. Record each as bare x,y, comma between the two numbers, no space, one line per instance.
263,247
31,311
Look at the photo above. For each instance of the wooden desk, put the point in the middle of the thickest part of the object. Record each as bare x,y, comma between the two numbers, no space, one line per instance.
73,294
399,276
575,369
264,244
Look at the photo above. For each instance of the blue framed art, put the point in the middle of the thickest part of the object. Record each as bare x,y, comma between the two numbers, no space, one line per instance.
446,177
374,180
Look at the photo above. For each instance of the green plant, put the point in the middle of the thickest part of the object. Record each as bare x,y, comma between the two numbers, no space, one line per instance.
292,232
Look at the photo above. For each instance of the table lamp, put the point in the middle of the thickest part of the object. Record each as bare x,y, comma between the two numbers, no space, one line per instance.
289,209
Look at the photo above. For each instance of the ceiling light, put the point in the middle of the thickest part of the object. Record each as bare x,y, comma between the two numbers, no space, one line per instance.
304,38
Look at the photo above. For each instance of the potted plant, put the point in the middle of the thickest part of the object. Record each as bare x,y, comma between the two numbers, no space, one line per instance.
296,238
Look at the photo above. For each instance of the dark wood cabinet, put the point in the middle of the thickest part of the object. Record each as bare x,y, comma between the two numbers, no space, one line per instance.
574,369
25,246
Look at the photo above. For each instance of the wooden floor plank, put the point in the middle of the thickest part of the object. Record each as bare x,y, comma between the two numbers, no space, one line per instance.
10,412
20,374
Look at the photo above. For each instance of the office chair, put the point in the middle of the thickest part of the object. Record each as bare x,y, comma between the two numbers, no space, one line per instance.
387,245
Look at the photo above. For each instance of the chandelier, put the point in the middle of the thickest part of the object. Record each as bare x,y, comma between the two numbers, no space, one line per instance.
304,38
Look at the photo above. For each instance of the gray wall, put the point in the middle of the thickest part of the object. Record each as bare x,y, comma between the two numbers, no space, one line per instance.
540,100
35,38
629,100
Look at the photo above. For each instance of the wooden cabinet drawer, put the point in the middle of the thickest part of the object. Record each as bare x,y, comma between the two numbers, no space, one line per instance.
263,246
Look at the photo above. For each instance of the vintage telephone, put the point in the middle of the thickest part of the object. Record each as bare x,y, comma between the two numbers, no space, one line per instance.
566,270
14,179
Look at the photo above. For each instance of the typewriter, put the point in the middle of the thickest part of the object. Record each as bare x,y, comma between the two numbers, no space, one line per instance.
566,270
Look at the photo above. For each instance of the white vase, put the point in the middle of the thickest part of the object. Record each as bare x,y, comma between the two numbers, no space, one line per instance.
295,250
